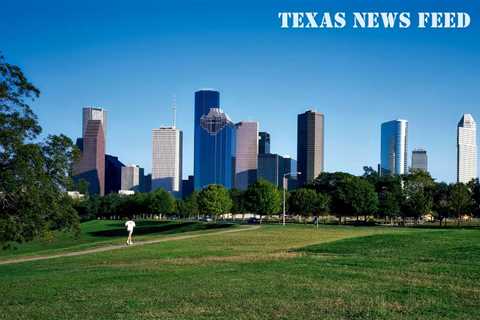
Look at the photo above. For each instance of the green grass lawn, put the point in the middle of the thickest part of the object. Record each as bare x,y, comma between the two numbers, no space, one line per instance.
105,232
275,272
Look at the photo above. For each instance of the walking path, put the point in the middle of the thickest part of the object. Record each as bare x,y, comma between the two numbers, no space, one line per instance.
117,247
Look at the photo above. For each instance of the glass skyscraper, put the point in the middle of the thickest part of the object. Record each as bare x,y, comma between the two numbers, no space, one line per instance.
420,160
394,145
263,142
214,142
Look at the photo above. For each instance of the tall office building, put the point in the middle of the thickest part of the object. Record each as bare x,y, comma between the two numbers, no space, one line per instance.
246,159
187,187
394,147
310,146
91,165
263,142
167,149
204,100
131,177
215,142
113,174
419,160
273,167
466,149
94,113
270,168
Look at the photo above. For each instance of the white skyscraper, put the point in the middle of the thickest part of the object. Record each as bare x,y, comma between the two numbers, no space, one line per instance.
167,159
466,149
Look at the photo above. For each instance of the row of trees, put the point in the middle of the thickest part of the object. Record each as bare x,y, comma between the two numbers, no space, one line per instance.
341,194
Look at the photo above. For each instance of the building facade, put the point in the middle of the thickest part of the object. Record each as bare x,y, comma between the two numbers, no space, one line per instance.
466,149
94,113
310,145
217,146
113,174
273,167
394,147
91,165
131,178
246,157
263,142
167,154
420,160
205,99
187,187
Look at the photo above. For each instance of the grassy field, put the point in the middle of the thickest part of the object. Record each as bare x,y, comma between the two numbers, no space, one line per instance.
99,233
275,272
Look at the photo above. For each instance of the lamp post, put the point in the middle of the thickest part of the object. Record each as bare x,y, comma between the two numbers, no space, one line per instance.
283,183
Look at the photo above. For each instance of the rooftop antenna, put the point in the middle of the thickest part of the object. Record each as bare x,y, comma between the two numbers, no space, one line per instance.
174,109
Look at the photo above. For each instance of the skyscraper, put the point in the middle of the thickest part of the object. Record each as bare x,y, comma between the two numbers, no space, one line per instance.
204,100
131,178
394,147
246,159
310,146
91,166
113,174
272,167
214,144
94,113
167,149
466,149
263,142
419,160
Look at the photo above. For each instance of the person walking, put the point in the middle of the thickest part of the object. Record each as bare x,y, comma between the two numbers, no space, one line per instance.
130,224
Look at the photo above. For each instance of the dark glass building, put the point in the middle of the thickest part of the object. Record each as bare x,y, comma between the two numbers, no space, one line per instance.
263,142
214,142
113,174
310,146
187,187
273,167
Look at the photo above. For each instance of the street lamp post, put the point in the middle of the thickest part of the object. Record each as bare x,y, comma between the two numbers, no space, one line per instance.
283,183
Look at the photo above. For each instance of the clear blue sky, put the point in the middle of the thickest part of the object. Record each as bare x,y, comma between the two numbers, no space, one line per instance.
130,57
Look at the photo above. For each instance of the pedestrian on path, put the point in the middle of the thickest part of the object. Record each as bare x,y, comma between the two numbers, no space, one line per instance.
130,224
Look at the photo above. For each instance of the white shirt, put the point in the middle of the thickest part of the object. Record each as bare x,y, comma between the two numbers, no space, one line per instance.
130,225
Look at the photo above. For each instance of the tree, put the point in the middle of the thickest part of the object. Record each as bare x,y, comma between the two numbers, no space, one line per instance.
389,205
189,206
33,175
214,200
474,187
160,202
263,198
460,201
238,199
418,194
349,195
302,202
441,205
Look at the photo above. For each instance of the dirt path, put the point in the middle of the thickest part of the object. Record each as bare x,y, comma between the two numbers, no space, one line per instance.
117,247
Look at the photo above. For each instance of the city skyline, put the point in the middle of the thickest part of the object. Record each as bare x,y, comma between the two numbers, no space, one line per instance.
101,119
136,59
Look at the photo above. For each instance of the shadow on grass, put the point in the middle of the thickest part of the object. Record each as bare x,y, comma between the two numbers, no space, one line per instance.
153,227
